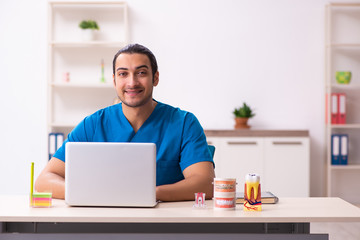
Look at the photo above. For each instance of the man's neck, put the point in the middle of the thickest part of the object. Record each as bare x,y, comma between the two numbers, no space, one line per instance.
138,115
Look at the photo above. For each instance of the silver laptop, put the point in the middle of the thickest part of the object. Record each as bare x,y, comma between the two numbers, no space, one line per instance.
110,174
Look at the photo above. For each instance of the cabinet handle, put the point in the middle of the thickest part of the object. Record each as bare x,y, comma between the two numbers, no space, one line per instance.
242,143
287,143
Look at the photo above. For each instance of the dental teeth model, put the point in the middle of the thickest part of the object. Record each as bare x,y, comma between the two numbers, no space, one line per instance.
225,193
252,193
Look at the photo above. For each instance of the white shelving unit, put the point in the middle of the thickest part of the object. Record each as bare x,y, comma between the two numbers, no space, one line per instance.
70,101
343,54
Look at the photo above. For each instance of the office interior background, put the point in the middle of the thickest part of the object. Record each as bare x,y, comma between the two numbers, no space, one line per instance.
213,55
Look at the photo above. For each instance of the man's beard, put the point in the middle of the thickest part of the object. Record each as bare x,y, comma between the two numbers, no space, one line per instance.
137,104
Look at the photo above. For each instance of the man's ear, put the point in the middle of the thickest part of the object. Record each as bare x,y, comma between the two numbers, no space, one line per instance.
156,79
114,80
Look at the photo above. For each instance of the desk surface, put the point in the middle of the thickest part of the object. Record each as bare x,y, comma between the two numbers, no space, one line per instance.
16,209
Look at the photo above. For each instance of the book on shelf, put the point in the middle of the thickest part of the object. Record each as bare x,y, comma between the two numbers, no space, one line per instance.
339,149
266,198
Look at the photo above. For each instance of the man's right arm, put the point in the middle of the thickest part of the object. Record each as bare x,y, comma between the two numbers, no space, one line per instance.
52,179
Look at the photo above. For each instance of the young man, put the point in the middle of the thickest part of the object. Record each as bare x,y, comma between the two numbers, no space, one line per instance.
183,162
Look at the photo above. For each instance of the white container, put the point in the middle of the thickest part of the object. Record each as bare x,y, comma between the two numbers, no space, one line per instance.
88,35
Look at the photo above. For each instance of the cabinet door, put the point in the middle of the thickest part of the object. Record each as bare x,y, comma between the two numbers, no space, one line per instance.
238,157
286,167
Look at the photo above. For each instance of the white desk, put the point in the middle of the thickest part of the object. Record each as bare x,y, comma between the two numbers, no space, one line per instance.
289,219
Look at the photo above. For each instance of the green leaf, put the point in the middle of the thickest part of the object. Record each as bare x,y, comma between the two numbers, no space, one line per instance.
89,24
245,111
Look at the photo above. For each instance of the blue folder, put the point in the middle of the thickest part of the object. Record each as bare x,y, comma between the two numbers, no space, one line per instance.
344,149
335,149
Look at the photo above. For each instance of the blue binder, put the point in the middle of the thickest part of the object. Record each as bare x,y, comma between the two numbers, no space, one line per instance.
335,149
344,149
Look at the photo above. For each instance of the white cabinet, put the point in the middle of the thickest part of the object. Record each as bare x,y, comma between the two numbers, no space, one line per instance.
76,67
343,54
286,161
236,157
282,162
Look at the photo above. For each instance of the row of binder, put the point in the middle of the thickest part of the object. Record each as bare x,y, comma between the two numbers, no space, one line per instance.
55,142
339,149
338,108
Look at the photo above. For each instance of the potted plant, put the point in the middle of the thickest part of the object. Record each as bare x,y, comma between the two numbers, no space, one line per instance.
242,116
88,27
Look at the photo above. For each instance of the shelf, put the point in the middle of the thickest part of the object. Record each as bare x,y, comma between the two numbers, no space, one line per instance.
82,4
345,167
350,86
62,125
88,4
83,85
345,126
344,45
89,44
82,63
344,4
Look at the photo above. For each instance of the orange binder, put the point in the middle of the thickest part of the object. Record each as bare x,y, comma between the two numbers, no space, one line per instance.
341,108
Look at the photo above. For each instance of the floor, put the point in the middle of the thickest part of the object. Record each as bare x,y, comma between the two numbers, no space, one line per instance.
338,231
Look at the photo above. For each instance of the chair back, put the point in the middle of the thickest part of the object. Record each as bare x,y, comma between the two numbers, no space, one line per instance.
212,150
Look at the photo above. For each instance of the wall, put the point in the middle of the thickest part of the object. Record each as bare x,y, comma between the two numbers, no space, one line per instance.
212,54
217,54
22,92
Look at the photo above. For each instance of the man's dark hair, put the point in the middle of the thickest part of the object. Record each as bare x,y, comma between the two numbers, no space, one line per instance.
137,48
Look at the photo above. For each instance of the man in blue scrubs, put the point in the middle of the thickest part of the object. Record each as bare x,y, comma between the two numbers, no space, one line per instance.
184,164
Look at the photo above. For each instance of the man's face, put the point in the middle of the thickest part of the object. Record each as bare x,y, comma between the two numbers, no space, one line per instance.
134,80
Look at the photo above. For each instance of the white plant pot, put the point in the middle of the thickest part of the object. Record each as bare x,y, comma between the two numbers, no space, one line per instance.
88,34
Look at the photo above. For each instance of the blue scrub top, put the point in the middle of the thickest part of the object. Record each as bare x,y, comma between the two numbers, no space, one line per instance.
179,138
